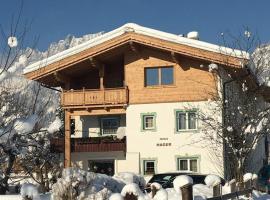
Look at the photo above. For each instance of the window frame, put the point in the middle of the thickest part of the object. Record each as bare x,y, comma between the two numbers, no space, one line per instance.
144,162
188,159
106,118
159,68
186,112
143,116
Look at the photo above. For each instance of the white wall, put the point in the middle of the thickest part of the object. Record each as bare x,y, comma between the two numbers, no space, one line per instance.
184,144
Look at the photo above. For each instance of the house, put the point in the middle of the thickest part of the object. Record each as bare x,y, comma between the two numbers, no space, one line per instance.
142,83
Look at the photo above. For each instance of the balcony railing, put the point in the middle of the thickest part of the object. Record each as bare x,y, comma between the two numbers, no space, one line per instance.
93,144
86,97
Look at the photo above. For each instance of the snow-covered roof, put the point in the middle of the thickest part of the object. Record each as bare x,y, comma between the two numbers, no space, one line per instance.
131,27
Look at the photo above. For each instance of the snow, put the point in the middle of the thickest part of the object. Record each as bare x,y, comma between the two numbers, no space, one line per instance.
247,177
116,196
161,194
156,185
212,67
254,176
230,128
12,41
131,27
121,132
55,125
131,188
181,181
29,190
260,64
25,125
212,180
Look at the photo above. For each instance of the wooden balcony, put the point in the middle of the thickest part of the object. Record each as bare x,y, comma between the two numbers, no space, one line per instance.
94,98
94,144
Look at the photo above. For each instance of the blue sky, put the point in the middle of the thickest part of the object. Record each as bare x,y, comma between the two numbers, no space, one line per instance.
54,19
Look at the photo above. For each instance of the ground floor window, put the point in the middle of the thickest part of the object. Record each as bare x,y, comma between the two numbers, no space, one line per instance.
187,164
101,166
149,167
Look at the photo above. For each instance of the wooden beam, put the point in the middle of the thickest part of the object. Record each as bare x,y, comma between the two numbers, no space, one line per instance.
94,62
175,58
101,76
67,162
135,48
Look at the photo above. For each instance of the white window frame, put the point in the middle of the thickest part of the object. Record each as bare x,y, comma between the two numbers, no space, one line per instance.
144,122
145,165
188,164
187,120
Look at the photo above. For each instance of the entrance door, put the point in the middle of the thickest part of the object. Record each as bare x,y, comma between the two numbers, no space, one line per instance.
102,166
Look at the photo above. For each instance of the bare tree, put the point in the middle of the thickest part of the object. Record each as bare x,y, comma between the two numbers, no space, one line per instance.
245,114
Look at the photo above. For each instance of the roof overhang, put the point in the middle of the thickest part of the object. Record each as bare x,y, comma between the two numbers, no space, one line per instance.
132,33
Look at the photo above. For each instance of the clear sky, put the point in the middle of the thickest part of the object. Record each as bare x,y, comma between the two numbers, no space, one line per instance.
54,19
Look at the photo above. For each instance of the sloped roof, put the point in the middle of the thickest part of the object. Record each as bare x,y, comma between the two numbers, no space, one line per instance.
139,30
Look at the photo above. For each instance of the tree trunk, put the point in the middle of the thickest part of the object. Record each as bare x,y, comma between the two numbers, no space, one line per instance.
4,181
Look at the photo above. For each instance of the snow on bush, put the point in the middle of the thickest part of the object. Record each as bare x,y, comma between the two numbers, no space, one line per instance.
25,125
129,177
121,133
212,180
161,194
247,177
260,64
254,176
181,181
55,125
29,191
131,188
12,41
116,196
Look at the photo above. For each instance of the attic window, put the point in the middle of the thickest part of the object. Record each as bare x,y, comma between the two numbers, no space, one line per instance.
159,76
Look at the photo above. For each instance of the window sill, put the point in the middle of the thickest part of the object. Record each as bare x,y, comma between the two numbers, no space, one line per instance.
160,86
187,131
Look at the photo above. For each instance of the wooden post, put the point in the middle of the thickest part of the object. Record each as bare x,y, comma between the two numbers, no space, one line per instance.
67,162
101,76
255,182
153,190
187,192
217,190
248,185
130,196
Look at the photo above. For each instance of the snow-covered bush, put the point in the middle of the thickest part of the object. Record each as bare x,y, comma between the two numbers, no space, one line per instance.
29,192
79,184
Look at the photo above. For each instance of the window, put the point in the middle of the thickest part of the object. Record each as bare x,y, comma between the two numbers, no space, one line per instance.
186,120
148,121
187,164
149,167
109,126
159,76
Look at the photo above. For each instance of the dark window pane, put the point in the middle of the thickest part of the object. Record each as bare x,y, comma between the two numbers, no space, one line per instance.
183,165
192,120
167,75
149,167
151,76
110,125
193,165
148,122
181,121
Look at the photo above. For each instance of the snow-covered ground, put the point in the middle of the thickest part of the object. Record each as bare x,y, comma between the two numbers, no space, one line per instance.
88,185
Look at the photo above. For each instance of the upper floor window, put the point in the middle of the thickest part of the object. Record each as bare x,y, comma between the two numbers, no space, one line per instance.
109,125
159,76
186,120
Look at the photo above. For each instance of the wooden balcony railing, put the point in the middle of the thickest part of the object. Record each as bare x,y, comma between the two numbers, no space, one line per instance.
86,97
93,144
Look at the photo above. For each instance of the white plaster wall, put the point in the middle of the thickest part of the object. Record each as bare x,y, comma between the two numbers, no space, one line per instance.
89,126
183,144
